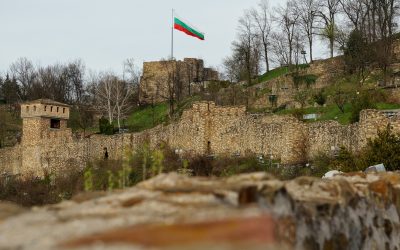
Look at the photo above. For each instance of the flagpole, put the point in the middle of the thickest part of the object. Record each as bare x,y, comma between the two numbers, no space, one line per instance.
172,36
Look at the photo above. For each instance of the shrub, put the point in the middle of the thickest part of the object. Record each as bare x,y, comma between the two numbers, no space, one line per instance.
346,161
302,97
105,126
32,191
320,98
308,80
363,101
383,149
321,163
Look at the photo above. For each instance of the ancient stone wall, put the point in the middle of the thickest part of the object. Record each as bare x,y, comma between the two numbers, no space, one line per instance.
10,159
284,88
326,70
162,78
328,136
205,129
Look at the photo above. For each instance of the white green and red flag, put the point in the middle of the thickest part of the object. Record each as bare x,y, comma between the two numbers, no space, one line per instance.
183,26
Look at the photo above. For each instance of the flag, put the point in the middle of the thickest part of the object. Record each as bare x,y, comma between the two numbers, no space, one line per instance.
188,29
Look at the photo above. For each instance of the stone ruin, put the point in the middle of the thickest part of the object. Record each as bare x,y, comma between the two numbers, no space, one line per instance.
160,77
205,129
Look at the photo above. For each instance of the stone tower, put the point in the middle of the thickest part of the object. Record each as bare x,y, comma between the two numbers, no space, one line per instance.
43,119
44,123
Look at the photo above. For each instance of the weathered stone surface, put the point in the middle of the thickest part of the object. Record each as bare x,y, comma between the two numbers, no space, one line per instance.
156,80
252,211
8,209
202,130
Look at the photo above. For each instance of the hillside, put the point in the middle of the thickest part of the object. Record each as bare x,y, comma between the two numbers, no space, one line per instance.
296,92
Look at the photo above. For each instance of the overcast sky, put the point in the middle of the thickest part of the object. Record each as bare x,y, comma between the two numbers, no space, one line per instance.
105,32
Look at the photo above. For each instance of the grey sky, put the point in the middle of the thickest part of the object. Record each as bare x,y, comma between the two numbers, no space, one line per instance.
105,32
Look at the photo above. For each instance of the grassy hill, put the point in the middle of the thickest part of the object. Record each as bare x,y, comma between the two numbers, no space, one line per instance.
147,117
152,115
277,72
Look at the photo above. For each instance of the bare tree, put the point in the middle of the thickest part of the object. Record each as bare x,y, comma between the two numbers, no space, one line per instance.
232,68
25,74
355,12
75,73
112,95
132,74
52,82
327,12
280,48
307,10
386,14
243,46
288,19
298,48
246,47
122,91
104,93
263,23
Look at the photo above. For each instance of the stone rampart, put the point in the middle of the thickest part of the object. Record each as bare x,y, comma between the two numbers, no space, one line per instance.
206,129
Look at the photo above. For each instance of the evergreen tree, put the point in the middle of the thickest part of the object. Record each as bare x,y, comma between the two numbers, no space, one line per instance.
10,90
384,149
357,54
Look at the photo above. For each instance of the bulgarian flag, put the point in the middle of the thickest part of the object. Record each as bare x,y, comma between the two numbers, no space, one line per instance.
179,24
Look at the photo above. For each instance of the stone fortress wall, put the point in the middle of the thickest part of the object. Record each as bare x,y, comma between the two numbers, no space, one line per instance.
157,78
205,129
285,89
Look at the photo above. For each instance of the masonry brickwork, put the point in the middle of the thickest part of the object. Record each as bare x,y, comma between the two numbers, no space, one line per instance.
162,78
205,129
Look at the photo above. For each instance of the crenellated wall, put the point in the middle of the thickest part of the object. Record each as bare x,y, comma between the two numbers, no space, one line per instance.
203,130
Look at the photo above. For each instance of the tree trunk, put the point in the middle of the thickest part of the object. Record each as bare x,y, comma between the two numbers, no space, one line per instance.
110,116
118,118
266,59
310,42
266,54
